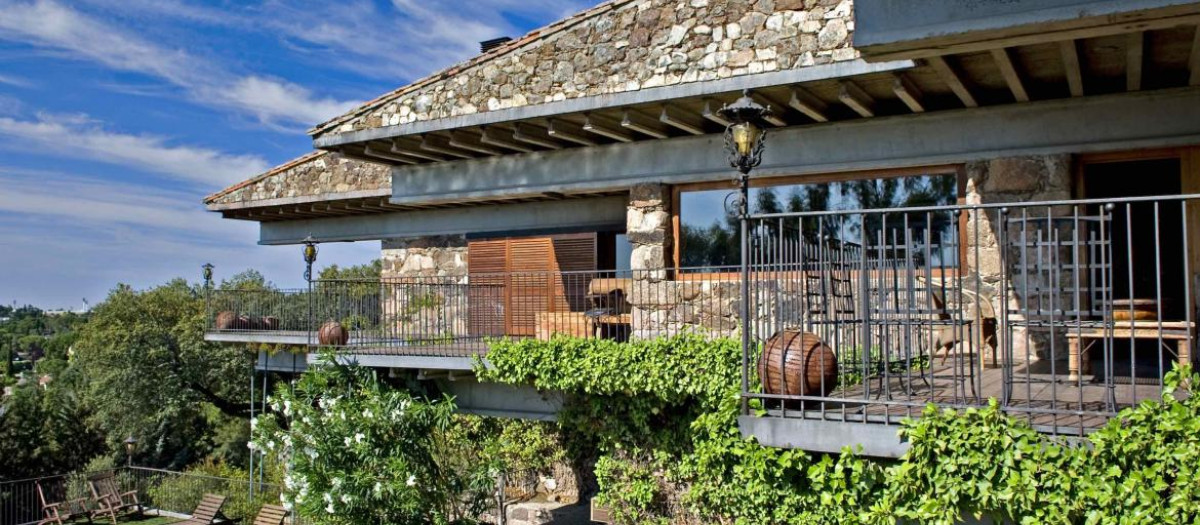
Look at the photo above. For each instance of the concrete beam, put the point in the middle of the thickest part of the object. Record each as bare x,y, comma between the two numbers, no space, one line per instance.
1102,123
597,212
663,94
830,437
500,400
415,362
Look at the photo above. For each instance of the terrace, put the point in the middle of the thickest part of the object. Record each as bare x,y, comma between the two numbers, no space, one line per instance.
1063,311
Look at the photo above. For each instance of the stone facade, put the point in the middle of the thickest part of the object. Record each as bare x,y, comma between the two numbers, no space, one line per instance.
426,300
623,45
1015,180
316,174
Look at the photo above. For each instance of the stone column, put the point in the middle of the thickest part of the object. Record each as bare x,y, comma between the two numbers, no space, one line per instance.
1016,180
424,299
648,225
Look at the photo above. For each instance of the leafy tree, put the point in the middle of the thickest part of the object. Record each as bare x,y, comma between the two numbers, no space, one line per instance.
45,429
152,374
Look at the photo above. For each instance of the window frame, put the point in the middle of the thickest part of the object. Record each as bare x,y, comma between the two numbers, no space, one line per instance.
958,170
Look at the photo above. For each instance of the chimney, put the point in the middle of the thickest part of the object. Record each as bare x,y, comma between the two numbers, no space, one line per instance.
488,45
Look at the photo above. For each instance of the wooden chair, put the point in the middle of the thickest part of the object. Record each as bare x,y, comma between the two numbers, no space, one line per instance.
109,499
208,511
976,310
270,515
56,508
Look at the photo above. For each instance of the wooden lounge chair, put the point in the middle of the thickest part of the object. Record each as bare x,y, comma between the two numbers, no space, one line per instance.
208,511
56,508
270,515
109,499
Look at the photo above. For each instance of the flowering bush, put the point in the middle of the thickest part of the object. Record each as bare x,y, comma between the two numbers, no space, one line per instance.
358,451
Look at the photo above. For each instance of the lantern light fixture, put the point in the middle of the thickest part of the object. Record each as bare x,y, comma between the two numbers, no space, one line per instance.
746,131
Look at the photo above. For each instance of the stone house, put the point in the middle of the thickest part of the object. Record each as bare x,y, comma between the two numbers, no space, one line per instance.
587,157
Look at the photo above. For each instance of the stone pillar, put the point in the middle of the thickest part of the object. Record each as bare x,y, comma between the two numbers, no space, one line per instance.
422,295
1017,180
648,225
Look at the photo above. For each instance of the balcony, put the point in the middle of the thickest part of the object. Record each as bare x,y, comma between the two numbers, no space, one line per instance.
1064,312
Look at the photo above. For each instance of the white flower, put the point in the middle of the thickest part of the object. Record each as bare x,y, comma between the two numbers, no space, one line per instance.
329,508
251,445
412,480
270,445
346,498
253,423
358,437
287,408
287,505
327,497
347,440
337,483
312,453
378,489
307,420
367,413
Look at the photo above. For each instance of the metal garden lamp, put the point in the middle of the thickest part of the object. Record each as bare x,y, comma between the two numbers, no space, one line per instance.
310,256
130,446
744,137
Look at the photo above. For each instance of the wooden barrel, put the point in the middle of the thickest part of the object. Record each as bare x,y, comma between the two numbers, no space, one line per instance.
225,320
797,363
269,322
332,333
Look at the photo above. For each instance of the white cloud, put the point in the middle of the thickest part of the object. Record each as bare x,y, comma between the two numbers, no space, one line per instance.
47,24
15,81
79,137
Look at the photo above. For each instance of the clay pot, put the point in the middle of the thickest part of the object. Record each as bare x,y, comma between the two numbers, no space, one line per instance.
797,363
332,333
268,323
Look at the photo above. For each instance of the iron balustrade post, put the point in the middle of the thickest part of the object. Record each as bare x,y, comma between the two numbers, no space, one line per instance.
744,220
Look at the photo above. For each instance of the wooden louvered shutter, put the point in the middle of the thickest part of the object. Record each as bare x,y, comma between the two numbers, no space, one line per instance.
487,300
575,256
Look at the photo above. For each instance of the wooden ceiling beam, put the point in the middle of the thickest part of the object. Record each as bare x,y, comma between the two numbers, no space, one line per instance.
856,99
676,118
809,104
710,112
635,121
908,93
604,128
463,140
563,130
410,152
953,80
437,144
1012,77
374,152
1134,51
1070,58
530,134
776,108
491,136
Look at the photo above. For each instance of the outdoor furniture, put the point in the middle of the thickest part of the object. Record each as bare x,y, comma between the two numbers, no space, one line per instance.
270,515
56,508
109,499
208,511
1079,342
975,310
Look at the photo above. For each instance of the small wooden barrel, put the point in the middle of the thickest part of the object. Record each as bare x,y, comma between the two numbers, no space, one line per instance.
332,333
269,323
225,320
797,363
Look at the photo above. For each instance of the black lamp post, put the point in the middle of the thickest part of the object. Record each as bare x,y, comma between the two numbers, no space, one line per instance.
744,139
130,446
310,256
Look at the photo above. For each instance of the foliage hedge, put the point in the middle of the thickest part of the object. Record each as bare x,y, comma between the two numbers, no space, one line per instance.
662,414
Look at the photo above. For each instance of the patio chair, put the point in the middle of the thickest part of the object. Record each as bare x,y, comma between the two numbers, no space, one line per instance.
208,511
270,515
976,310
56,507
109,499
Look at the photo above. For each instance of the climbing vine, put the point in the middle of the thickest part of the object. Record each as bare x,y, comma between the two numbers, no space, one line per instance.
662,414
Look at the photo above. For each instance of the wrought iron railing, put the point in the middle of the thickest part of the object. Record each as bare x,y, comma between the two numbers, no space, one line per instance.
160,492
443,316
1065,311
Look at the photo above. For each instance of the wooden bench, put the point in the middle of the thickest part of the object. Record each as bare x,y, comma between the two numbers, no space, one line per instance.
1079,342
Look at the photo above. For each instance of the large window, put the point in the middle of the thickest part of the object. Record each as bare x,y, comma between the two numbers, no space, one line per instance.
708,226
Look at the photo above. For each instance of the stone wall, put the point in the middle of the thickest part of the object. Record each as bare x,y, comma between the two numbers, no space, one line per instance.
623,45
315,174
427,300
1015,180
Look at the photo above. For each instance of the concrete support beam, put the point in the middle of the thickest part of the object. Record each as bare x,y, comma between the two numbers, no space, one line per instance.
855,98
830,437
908,93
1121,121
808,104
583,213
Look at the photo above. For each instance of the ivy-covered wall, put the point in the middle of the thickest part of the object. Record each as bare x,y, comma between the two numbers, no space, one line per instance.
669,451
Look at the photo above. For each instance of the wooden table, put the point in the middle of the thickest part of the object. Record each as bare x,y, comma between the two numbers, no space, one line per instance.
1080,341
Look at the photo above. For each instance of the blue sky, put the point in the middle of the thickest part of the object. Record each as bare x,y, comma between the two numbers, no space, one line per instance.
118,116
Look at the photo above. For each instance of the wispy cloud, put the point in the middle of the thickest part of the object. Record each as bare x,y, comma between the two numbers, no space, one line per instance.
51,25
80,137
15,81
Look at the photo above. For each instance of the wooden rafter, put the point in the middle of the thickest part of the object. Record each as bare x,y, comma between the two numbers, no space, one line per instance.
635,121
711,106
604,128
908,93
953,80
1134,50
1070,57
1012,77
1194,60
809,104
856,99
678,119
564,130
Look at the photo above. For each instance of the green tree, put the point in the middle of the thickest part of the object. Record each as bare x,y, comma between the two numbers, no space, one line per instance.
45,430
152,374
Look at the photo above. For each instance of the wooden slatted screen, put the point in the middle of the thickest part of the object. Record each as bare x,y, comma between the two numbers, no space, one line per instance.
527,270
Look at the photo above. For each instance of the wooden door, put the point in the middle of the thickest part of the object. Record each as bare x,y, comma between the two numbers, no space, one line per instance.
520,277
